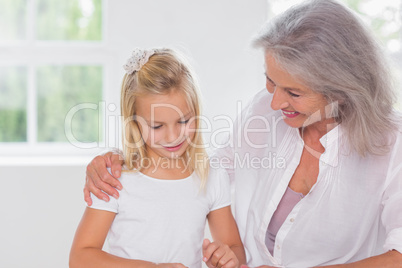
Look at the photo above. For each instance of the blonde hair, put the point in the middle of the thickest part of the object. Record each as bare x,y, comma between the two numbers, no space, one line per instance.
165,71
325,46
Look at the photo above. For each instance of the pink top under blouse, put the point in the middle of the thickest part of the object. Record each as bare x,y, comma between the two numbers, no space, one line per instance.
287,203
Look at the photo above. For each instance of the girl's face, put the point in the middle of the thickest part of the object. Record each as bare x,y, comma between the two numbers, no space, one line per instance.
167,124
300,105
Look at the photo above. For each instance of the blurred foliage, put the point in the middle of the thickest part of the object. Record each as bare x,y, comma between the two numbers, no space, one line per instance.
69,20
60,88
13,19
13,102
384,18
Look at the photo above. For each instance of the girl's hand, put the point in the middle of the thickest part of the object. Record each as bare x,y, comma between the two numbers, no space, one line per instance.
170,265
98,179
218,255
263,266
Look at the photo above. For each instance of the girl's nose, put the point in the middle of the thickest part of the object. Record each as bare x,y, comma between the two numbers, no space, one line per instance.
279,100
174,134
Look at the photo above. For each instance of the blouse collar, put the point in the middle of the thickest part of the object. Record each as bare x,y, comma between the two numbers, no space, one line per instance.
331,142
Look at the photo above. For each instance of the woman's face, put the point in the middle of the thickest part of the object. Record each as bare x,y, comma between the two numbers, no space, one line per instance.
300,106
167,124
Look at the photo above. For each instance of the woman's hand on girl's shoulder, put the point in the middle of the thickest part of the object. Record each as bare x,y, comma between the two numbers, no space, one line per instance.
217,254
98,179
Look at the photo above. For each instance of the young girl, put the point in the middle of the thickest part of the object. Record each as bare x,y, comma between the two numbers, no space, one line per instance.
169,190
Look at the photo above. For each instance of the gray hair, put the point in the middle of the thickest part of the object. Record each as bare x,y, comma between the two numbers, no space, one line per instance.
324,45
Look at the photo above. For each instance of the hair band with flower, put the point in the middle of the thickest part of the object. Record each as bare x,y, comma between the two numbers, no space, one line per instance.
138,58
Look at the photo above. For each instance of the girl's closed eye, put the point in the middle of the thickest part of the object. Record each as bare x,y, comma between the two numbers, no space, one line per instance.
156,127
184,121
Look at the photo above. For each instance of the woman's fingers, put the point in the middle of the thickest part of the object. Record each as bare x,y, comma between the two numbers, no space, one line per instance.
87,195
95,190
99,179
116,163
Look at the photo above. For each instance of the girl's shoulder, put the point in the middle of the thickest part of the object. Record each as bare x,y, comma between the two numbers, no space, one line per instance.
218,189
216,170
217,176
126,173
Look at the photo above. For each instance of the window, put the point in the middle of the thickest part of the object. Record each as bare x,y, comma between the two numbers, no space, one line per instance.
53,61
383,17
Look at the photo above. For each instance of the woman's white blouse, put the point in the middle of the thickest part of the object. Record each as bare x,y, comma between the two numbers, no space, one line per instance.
354,210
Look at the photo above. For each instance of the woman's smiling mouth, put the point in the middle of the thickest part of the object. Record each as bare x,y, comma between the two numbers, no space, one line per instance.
290,114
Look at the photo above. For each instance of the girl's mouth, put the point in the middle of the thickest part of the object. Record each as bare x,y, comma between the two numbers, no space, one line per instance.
173,148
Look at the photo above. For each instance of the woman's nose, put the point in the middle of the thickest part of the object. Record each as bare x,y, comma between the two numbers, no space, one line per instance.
279,100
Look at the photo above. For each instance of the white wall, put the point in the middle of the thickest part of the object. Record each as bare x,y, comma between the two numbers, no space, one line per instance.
42,204
215,35
40,209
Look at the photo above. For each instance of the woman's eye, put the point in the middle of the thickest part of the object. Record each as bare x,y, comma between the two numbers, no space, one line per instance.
270,82
293,95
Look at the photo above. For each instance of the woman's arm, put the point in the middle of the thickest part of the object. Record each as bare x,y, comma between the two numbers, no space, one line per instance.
227,249
98,179
90,236
391,259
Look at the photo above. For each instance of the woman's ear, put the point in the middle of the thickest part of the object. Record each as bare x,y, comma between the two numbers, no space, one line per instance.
332,109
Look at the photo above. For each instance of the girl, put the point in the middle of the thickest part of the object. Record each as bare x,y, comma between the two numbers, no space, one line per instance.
169,190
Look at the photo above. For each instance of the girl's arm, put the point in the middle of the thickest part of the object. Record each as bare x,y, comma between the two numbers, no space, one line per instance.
227,249
90,236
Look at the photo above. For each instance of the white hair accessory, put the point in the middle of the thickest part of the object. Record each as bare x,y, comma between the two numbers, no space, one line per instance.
138,58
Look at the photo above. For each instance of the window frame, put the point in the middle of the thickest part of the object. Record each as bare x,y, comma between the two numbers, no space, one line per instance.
32,53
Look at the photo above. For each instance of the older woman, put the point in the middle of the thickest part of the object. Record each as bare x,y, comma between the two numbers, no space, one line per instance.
335,198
